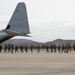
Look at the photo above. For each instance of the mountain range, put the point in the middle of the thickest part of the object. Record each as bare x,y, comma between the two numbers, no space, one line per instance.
19,42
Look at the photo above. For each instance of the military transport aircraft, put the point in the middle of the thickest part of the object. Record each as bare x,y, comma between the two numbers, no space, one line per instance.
18,24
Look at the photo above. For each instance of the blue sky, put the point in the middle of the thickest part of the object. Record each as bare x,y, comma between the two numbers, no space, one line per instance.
48,19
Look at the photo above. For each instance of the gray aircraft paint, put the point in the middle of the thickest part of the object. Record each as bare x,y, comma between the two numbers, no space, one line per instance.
18,24
3,35
19,19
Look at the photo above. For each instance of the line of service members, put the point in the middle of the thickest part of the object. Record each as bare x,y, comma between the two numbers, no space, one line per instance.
52,48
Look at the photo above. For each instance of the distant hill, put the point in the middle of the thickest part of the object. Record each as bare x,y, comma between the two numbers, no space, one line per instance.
61,41
19,42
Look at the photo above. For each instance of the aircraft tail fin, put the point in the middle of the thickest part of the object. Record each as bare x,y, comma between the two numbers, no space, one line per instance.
19,20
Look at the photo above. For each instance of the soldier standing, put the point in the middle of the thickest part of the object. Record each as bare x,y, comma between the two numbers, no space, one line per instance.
8,48
69,47
51,47
16,49
54,48
26,48
59,48
74,47
22,49
0,48
12,48
5,48
66,48
47,49
31,47
38,48
63,47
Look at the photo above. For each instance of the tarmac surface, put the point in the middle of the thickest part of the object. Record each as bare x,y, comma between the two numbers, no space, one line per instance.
37,63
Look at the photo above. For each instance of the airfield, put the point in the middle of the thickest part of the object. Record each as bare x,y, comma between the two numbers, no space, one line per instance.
37,63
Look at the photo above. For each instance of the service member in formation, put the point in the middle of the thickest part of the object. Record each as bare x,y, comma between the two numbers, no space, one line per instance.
47,49
38,49
54,48
26,47
21,49
12,48
31,48
69,47
59,48
5,48
63,48
66,48
16,49
74,47
9,47
0,48
51,47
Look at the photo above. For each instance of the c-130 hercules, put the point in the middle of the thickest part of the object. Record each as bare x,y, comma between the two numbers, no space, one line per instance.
18,24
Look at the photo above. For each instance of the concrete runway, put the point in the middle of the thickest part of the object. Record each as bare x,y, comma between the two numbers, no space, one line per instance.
37,63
